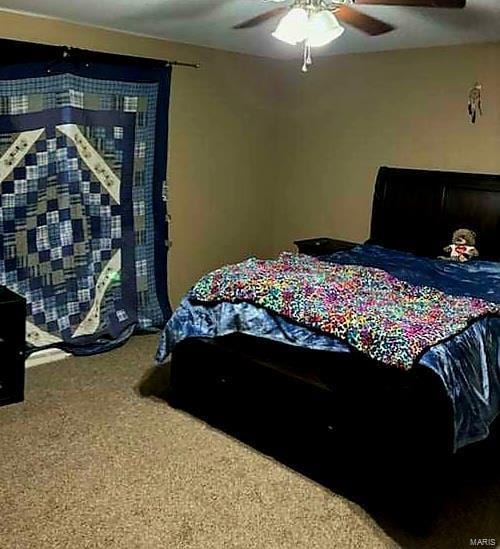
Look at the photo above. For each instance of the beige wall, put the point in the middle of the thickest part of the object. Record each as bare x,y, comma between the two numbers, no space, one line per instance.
261,154
353,113
221,139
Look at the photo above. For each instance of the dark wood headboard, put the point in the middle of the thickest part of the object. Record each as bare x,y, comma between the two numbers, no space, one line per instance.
418,210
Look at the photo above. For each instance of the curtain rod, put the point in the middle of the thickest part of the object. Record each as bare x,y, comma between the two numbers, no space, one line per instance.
182,64
41,51
168,63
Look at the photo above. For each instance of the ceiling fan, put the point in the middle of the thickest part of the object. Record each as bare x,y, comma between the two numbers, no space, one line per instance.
316,22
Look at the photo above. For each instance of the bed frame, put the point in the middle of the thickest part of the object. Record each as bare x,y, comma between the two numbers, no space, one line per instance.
343,419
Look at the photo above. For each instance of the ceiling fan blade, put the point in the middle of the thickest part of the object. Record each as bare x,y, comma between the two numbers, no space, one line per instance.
262,18
415,3
361,21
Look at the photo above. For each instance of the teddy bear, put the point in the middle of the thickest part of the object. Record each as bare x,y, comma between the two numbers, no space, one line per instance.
462,247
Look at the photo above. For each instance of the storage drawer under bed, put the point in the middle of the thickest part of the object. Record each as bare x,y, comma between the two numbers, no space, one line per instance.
315,402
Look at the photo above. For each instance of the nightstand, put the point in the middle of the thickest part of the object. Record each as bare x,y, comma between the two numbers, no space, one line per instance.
12,346
323,246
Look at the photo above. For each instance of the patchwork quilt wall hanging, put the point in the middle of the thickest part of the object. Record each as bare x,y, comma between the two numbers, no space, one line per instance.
83,150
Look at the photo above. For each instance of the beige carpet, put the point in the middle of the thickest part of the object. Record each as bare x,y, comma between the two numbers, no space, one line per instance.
86,462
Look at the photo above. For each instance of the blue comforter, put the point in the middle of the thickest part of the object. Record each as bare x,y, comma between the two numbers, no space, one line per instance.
468,364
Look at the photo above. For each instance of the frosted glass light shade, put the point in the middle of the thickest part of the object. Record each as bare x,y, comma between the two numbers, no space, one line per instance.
293,27
322,28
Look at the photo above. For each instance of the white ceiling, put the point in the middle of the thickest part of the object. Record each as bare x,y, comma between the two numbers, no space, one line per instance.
209,22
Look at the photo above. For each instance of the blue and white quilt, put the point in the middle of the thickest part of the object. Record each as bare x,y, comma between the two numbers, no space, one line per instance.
82,220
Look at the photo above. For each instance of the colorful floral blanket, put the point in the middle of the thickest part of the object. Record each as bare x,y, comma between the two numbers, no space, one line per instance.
378,314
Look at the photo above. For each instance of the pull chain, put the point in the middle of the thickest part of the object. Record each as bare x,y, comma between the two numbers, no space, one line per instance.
307,57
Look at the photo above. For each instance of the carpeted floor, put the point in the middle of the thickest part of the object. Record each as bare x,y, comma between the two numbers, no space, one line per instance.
87,462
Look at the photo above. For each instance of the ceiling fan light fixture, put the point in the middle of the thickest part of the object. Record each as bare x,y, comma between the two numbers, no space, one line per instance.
323,28
293,27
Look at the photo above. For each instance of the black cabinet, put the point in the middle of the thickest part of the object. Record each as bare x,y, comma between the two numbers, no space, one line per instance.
12,346
323,246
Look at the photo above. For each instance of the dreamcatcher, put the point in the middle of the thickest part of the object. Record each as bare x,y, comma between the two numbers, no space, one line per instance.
474,107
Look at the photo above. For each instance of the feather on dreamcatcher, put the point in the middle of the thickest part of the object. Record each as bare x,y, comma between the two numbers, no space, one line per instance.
474,107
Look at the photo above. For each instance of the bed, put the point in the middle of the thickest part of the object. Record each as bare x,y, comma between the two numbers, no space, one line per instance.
333,412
